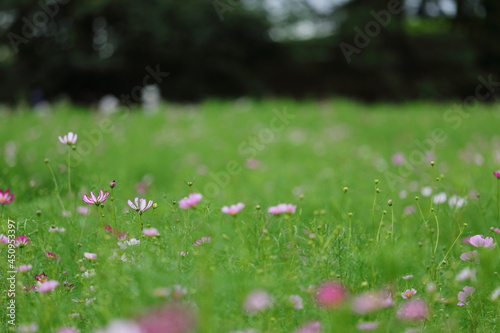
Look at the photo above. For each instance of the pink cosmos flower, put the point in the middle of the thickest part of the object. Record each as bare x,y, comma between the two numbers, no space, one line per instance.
140,205
24,268
466,274
282,208
371,301
112,184
67,330
463,296
169,319
233,209
413,310
407,277
312,327
202,240
150,232
21,241
296,302
56,229
52,255
41,277
470,256
90,256
330,294
408,293
47,286
6,197
398,159
116,232
258,300
367,325
192,200
480,241
252,163
93,200
82,210
4,239
69,139
497,174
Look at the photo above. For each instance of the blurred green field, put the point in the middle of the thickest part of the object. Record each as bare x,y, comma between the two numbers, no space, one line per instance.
333,159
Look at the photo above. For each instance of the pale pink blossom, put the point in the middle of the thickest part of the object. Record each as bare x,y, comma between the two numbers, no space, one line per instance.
69,139
47,286
202,240
398,159
90,256
311,327
258,300
330,294
121,326
367,325
67,330
495,295
192,200
482,242
93,200
150,232
439,198
168,319
140,205
371,301
233,209
6,197
407,277
408,210
413,310
408,293
466,274
463,296
282,208
4,239
470,256
56,229
83,210
296,302
24,268
27,328
456,202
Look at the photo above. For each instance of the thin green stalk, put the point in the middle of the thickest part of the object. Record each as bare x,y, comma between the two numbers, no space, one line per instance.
377,191
392,222
69,171
451,247
437,234
498,200
58,194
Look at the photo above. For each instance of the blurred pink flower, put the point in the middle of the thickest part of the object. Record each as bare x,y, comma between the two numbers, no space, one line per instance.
282,208
192,200
463,296
413,310
330,294
367,325
233,209
312,327
407,277
150,232
4,239
408,293
47,286
27,328
140,205
371,301
169,319
6,197
21,241
480,241
69,139
52,255
470,256
398,159
56,229
466,274
497,174
410,210
83,210
116,232
202,240
296,302
93,200
67,330
252,163
258,300
24,268
90,256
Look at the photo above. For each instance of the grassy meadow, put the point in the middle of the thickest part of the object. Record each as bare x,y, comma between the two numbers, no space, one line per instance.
381,192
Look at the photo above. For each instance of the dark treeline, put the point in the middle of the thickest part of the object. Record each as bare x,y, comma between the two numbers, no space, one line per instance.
376,50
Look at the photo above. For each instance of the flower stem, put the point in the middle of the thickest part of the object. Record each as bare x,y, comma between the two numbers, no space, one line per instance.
69,171
58,194
437,234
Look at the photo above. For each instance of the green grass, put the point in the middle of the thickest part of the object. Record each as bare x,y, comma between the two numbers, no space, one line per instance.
323,157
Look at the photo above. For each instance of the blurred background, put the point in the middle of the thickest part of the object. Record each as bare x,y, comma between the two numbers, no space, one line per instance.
371,50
